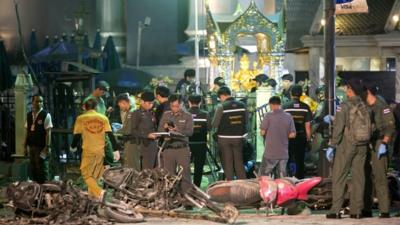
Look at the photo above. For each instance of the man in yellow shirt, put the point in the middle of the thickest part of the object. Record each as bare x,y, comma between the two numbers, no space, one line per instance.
91,127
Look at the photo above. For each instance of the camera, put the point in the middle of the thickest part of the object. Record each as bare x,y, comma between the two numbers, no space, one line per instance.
171,124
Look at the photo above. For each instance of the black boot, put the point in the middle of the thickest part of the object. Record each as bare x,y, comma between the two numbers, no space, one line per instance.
333,216
384,215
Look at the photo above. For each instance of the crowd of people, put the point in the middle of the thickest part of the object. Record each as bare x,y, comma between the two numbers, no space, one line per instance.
363,128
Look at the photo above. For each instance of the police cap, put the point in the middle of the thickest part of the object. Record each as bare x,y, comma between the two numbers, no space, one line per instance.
103,85
371,87
356,85
287,77
271,82
147,96
296,90
260,78
219,81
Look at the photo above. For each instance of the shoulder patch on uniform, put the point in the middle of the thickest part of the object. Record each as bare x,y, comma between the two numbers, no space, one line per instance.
338,108
296,105
386,111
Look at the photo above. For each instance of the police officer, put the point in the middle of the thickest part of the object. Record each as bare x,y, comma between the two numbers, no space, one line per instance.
177,152
142,125
287,83
162,94
262,80
218,82
229,123
302,117
198,141
126,104
131,151
377,159
348,156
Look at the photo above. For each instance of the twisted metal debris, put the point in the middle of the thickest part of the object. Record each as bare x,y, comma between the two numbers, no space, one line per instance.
155,192
151,192
151,189
51,203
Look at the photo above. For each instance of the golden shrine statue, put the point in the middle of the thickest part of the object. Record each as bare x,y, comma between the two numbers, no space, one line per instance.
307,99
243,79
256,70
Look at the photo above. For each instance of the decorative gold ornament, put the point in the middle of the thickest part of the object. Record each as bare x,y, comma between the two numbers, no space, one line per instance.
270,41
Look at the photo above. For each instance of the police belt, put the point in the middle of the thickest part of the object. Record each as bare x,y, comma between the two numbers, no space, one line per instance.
233,136
176,145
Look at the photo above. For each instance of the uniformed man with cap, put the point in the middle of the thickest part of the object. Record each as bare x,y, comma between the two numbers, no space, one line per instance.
162,93
142,125
263,80
377,158
218,82
347,155
198,141
302,117
287,83
176,152
131,151
229,123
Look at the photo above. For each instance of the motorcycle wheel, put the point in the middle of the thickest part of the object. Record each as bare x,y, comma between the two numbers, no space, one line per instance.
230,213
298,208
121,217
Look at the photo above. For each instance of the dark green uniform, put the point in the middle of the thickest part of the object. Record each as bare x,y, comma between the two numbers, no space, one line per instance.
131,152
177,153
376,169
285,96
348,156
142,123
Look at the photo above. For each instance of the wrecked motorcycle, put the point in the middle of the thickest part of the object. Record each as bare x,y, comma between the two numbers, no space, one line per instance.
155,190
52,203
263,191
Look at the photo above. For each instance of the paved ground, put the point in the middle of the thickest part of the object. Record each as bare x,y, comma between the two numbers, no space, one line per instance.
279,220
249,217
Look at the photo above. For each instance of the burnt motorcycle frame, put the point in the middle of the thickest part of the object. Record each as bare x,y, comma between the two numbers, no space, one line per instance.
194,196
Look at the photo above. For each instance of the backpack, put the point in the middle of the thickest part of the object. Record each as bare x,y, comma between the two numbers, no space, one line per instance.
359,126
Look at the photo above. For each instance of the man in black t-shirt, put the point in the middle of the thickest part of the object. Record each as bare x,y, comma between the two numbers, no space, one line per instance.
302,117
